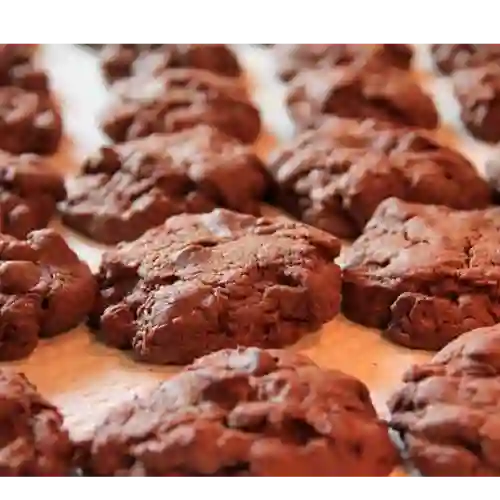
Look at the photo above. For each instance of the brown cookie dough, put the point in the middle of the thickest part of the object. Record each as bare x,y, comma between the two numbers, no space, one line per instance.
18,68
33,441
29,122
478,94
127,189
44,290
204,282
356,92
120,60
334,177
295,58
455,56
245,412
29,191
426,274
178,99
447,412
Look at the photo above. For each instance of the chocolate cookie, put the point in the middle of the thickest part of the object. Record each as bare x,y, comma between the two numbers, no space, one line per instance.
336,176
18,69
204,282
29,191
179,99
245,412
478,94
126,189
424,273
29,122
356,92
121,61
451,57
447,411
33,441
295,58
44,290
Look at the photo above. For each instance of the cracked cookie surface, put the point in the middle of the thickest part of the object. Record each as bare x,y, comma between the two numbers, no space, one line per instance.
447,410
335,176
356,92
33,441
126,189
426,274
204,282
178,99
245,412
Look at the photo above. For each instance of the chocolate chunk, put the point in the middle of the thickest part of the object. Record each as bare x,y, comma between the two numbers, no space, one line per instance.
127,189
29,122
334,177
426,274
204,282
356,92
29,191
478,95
447,410
33,441
178,99
245,412
44,290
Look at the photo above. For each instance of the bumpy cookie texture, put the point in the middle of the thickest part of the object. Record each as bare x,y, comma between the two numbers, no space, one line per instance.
447,410
29,192
426,274
245,412
451,57
129,188
178,99
44,290
478,93
121,61
29,122
33,441
356,92
294,58
334,177
204,282
18,68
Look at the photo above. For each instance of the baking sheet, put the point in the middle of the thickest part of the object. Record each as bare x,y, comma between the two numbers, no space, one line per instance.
84,377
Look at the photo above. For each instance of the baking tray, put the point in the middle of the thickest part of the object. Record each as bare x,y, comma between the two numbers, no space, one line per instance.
85,378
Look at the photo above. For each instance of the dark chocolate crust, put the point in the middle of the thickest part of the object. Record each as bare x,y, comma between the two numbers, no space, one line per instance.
356,92
245,412
335,176
447,410
33,441
178,99
204,282
126,189
423,273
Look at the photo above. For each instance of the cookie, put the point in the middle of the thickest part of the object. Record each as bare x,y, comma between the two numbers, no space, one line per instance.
179,99
447,410
334,177
121,61
245,412
424,273
29,122
18,68
205,282
478,94
127,189
292,59
355,92
34,441
455,56
44,290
